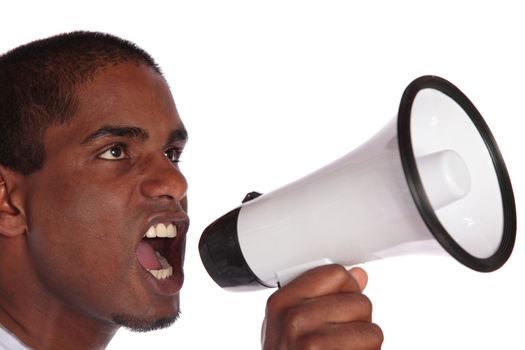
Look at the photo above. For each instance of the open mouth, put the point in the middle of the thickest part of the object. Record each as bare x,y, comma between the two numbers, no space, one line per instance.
154,251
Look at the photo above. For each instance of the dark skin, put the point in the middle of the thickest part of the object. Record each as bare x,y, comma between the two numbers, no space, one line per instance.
322,309
71,232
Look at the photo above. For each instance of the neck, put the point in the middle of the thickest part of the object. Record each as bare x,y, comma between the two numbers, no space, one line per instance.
35,316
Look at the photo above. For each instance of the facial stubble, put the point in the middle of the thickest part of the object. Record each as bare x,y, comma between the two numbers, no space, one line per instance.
138,324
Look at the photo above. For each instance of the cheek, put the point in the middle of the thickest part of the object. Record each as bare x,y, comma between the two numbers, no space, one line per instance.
76,233
78,211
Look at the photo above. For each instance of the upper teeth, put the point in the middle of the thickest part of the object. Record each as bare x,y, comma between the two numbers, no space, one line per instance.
161,230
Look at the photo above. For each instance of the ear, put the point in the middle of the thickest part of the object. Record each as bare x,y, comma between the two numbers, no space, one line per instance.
12,218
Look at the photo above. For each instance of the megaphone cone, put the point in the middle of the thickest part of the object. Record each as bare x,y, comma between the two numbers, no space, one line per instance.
432,179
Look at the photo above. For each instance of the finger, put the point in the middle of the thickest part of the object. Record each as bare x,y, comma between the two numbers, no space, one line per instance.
355,336
332,309
360,276
323,280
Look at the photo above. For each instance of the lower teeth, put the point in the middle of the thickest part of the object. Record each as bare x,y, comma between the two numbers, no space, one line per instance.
166,270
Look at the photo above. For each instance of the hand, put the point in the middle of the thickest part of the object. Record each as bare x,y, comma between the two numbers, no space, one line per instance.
323,309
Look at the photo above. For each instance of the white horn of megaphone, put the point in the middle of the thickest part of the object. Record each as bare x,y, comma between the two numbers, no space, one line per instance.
433,179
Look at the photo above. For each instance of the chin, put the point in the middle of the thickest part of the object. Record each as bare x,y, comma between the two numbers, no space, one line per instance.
137,323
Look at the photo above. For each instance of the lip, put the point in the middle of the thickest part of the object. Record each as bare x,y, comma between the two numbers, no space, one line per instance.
175,253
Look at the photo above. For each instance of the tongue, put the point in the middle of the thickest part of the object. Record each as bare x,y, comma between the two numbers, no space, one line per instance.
147,257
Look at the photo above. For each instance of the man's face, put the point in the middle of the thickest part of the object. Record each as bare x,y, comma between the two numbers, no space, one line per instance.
110,176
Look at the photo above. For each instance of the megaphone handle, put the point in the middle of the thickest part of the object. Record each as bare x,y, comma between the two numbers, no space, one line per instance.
287,275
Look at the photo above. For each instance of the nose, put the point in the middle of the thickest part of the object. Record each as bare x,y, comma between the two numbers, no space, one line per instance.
163,180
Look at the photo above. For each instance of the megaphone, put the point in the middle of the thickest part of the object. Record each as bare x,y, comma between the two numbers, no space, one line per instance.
432,180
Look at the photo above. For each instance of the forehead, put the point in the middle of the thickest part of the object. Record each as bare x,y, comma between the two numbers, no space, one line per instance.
126,93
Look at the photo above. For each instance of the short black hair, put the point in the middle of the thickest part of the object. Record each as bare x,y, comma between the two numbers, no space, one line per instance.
38,84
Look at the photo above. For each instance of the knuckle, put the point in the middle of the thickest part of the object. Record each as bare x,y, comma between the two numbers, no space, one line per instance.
311,341
376,334
338,271
364,302
358,303
292,322
274,303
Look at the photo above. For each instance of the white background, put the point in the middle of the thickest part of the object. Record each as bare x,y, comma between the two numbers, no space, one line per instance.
271,90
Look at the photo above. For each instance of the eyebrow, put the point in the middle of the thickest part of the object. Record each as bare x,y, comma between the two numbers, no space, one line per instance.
112,130
177,136
131,132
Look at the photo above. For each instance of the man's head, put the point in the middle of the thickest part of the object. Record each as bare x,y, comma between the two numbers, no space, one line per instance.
38,86
89,146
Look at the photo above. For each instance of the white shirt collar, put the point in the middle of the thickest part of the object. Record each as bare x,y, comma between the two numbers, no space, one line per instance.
8,341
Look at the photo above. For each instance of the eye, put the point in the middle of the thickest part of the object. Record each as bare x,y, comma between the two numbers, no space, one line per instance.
116,152
173,154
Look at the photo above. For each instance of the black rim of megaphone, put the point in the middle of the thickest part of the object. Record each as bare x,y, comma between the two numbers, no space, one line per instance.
417,189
